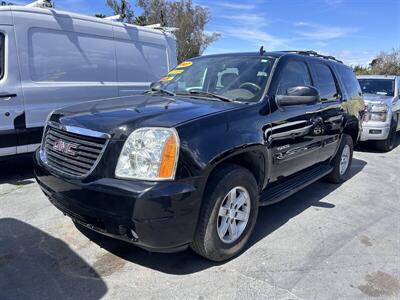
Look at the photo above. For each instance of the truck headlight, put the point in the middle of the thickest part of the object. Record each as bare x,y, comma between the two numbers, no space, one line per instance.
378,112
149,153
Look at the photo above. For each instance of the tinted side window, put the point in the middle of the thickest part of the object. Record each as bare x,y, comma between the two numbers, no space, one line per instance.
2,54
350,82
325,82
294,73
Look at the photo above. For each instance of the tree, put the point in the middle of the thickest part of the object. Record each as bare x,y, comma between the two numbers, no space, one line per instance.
386,63
124,9
361,70
190,20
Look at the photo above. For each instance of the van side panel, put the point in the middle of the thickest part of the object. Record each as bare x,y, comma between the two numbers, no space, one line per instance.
143,56
5,16
64,61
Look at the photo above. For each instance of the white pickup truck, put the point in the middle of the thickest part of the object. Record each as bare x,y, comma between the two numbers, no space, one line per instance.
382,115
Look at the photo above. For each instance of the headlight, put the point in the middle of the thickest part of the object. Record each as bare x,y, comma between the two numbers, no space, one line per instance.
377,112
379,108
149,153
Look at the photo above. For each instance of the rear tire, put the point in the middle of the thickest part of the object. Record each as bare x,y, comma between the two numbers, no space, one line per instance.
342,161
388,144
227,183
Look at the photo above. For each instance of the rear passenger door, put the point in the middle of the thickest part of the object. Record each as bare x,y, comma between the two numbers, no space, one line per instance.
295,139
331,110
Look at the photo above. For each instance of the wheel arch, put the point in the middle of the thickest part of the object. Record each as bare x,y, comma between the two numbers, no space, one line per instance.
352,128
252,159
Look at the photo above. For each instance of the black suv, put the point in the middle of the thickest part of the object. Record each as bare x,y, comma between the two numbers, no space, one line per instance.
189,162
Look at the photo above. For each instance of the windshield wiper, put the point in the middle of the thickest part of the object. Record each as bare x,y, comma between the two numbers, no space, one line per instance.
212,95
161,90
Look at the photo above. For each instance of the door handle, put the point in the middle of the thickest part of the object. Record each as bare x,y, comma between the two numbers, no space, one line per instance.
7,96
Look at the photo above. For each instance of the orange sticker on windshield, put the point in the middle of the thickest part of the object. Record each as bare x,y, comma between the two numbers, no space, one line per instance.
167,78
185,64
175,72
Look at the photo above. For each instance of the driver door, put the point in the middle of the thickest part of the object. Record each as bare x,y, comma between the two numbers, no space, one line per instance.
295,134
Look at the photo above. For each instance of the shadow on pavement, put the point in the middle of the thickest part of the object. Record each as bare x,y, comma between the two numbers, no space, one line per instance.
17,170
369,146
34,265
270,219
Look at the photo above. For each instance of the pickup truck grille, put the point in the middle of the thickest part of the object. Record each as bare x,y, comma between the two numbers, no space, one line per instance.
71,153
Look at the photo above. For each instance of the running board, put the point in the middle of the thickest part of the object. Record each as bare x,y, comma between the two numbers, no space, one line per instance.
281,191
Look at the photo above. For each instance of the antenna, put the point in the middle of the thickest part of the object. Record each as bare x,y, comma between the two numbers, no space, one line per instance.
41,4
262,51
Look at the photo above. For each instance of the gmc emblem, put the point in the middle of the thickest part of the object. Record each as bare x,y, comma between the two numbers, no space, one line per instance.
64,147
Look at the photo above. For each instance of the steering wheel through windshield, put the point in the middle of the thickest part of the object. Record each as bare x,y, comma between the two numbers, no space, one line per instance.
252,87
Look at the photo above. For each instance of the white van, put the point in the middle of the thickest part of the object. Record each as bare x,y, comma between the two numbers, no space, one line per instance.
50,59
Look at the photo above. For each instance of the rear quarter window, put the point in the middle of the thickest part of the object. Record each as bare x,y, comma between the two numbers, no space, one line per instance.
2,55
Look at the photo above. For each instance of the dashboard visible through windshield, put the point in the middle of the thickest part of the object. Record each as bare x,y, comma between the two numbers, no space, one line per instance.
229,78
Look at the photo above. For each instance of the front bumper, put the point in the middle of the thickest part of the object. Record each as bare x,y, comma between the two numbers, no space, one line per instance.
375,131
157,216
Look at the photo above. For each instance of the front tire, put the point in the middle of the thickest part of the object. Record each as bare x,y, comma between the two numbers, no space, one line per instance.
228,214
388,144
342,161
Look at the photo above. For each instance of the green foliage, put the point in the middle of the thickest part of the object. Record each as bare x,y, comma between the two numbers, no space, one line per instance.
386,63
190,19
361,70
123,8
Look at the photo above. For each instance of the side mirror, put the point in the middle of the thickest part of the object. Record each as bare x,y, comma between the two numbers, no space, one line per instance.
299,95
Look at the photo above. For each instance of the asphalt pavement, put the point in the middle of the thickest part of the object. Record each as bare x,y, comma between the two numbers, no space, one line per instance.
326,242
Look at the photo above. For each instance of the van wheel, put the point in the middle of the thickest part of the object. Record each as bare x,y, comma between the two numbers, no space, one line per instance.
342,161
228,214
388,144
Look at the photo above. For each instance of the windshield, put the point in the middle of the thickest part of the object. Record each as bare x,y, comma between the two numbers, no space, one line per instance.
233,78
377,86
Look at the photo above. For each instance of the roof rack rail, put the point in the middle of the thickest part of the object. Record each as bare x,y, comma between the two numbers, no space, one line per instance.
313,53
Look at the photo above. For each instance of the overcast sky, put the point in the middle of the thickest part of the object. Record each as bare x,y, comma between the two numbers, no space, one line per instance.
352,30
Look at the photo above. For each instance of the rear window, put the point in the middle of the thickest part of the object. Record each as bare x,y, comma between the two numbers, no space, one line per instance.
2,54
350,82
377,86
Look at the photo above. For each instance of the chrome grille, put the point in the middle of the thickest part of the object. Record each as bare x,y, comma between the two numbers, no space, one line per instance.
71,153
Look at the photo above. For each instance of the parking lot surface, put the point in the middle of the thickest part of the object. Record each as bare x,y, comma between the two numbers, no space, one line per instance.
326,242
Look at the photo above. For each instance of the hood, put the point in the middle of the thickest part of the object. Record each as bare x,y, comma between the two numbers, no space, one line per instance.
120,116
373,98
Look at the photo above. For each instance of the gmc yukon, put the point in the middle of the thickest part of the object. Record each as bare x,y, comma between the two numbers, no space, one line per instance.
189,163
